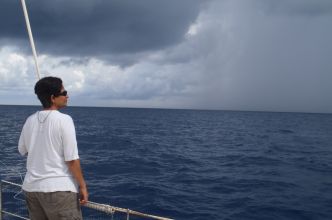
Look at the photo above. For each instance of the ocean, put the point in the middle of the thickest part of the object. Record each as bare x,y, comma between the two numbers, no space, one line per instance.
193,164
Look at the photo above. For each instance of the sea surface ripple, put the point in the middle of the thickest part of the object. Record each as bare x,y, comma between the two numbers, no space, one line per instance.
195,164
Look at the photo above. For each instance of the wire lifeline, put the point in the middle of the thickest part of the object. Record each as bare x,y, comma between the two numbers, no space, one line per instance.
31,37
108,209
21,176
14,170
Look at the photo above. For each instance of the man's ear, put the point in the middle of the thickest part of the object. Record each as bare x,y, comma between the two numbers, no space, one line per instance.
52,99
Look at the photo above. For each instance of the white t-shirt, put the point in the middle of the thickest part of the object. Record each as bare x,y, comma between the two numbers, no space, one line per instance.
49,139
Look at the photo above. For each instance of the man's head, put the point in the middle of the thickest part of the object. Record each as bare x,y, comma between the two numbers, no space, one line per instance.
51,93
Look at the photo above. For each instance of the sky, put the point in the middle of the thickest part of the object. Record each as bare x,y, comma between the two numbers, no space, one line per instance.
255,55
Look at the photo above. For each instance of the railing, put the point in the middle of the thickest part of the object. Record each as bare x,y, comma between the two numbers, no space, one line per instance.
108,209
1,201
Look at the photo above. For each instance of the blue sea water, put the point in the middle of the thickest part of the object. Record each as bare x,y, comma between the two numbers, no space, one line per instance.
193,164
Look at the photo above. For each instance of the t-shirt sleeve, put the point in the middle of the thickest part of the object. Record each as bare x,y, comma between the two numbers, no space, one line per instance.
21,143
69,140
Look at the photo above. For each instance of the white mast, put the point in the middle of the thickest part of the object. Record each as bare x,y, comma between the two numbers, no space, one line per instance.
31,38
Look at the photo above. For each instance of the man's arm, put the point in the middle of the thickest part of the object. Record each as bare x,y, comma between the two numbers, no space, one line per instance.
75,168
21,145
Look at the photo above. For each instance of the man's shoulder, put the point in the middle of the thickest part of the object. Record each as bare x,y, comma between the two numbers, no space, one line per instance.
30,117
63,116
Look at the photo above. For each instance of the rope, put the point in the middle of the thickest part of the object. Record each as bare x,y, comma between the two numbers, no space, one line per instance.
11,183
15,215
106,209
30,37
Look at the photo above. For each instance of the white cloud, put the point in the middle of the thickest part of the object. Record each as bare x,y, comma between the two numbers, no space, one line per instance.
143,83
14,68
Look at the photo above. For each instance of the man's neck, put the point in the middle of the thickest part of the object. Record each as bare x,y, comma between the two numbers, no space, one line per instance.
51,108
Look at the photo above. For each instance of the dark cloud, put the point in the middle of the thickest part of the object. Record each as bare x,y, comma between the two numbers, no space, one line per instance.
299,7
99,27
272,61
239,55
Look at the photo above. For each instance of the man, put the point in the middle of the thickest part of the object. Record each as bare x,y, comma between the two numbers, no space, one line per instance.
54,177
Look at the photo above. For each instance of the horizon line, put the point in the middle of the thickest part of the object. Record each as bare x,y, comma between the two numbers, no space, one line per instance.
189,109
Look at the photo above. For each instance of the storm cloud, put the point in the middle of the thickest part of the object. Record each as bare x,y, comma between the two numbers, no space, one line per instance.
96,28
221,54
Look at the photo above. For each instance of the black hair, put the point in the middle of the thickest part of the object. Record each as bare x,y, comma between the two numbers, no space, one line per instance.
46,87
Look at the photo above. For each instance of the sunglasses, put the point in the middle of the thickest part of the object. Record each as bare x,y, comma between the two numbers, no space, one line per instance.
63,93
